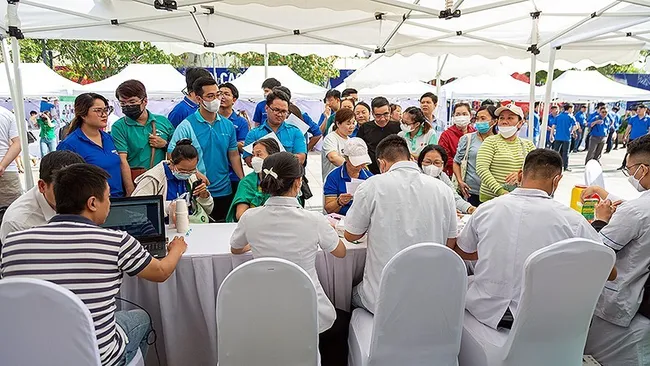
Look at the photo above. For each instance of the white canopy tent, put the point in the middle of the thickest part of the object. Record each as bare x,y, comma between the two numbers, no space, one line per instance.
179,48
39,81
249,84
397,91
488,87
161,81
588,86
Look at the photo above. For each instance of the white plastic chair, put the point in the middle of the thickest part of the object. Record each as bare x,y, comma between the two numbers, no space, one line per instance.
42,323
419,314
267,315
562,283
594,174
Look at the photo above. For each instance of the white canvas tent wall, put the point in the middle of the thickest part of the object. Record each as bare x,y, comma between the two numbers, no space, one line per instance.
249,84
39,81
397,91
161,81
589,86
487,87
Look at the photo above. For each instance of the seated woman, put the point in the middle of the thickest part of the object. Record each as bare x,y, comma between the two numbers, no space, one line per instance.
249,194
283,229
337,198
432,162
171,179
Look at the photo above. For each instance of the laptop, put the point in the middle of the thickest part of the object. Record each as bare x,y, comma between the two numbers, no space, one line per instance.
142,217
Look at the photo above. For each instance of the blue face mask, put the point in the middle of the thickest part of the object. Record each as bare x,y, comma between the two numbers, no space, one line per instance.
483,127
181,176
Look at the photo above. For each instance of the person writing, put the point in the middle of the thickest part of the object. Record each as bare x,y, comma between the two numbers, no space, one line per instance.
416,131
174,178
282,229
337,198
344,125
501,157
249,193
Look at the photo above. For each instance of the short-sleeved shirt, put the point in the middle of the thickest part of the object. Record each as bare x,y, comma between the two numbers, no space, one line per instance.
47,129
372,135
535,125
332,143
551,122
602,129
29,210
104,156
213,141
8,131
471,177
505,232
313,130
420,140
132,138
181,110
428,217
283,229
581,119
564,124
628,233
259,116
88,260
290,137
241,129
640,126
335,184
248,192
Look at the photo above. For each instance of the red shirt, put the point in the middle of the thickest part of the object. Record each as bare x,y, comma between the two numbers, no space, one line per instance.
449,141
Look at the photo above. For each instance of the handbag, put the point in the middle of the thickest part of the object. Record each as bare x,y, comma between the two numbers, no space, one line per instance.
30,137
463,164
305,190
138,171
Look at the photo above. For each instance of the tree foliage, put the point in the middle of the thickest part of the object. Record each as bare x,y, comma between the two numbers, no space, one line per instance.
315,69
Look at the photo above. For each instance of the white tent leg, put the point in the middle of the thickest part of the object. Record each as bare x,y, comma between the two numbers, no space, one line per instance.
534,36
266,61
547,97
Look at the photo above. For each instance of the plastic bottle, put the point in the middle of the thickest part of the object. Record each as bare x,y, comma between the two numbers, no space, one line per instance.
182,216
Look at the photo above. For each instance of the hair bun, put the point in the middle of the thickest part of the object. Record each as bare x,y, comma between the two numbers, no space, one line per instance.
182,142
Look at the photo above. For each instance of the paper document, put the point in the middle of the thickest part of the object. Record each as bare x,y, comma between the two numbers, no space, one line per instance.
249,148
351,187
295,121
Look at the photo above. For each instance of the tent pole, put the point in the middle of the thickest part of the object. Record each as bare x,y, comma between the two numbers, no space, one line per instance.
266,61
547,97
214,69
533,74
438,76
19,110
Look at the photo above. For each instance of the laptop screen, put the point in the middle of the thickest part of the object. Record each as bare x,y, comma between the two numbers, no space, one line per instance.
142,217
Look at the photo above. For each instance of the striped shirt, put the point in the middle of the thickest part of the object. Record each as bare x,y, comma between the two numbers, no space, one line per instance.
88,260
496,159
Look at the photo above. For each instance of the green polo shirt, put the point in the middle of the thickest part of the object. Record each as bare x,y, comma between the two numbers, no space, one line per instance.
47,129
132,138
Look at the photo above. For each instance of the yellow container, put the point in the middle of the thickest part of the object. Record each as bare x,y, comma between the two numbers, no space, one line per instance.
576,202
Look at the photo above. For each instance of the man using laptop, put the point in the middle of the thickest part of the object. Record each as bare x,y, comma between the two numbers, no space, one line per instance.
74,252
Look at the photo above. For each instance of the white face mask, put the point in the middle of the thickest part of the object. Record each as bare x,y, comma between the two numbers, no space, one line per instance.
257,162
636,183
213,106
432,170
405,128
507,131
461,121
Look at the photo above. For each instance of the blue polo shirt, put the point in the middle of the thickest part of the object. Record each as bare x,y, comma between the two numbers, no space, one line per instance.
602,129
259,116
314,130
213,142
617,121
564,123
640,126
535,125
175,187
335,184
104,156
581,118
290,137
241,131
181,110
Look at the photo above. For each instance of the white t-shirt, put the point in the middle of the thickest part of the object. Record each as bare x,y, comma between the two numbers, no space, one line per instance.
29,210
283,229
506,231
398,209
8,131
333,142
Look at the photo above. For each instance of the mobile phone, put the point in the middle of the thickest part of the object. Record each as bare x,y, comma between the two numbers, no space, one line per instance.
196,184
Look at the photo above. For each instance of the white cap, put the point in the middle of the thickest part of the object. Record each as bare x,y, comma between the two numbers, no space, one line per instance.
357,151
512,108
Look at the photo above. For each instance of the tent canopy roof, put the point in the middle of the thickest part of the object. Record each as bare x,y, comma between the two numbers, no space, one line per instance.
249,84
488,87
161,81
38,81
586,86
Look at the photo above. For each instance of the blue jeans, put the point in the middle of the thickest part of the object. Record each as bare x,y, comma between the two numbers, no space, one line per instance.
47,146
135,324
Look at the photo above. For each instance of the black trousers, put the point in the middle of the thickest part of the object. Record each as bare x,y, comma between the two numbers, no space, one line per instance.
474,200
610,140
563,148
221,207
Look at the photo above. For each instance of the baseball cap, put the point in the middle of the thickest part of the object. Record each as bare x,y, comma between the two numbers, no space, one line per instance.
357,151
512,108
641,105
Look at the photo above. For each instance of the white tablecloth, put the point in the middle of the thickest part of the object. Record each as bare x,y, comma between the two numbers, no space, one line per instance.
183,308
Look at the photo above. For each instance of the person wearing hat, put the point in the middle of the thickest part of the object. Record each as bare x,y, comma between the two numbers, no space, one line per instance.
637,126
502,156
337,198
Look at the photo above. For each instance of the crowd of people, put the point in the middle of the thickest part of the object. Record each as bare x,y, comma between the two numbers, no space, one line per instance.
408,167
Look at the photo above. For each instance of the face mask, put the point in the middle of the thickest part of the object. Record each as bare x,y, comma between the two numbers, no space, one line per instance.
132,111
181,176
213,106
257,162
636,183
553,189
483,127
461,121
405,128
432,170
508,131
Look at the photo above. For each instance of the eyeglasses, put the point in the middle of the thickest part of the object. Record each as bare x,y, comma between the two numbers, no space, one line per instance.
280,112
102,111
383,115
626,170
128,104
212,96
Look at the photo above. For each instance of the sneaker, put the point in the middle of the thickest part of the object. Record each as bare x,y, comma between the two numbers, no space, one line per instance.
568,170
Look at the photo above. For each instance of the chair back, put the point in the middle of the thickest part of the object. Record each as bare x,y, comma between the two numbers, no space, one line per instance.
594,174
42,323
562,283
267,315
420,308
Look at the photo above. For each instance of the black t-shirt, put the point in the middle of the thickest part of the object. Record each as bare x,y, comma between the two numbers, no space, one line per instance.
372,135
